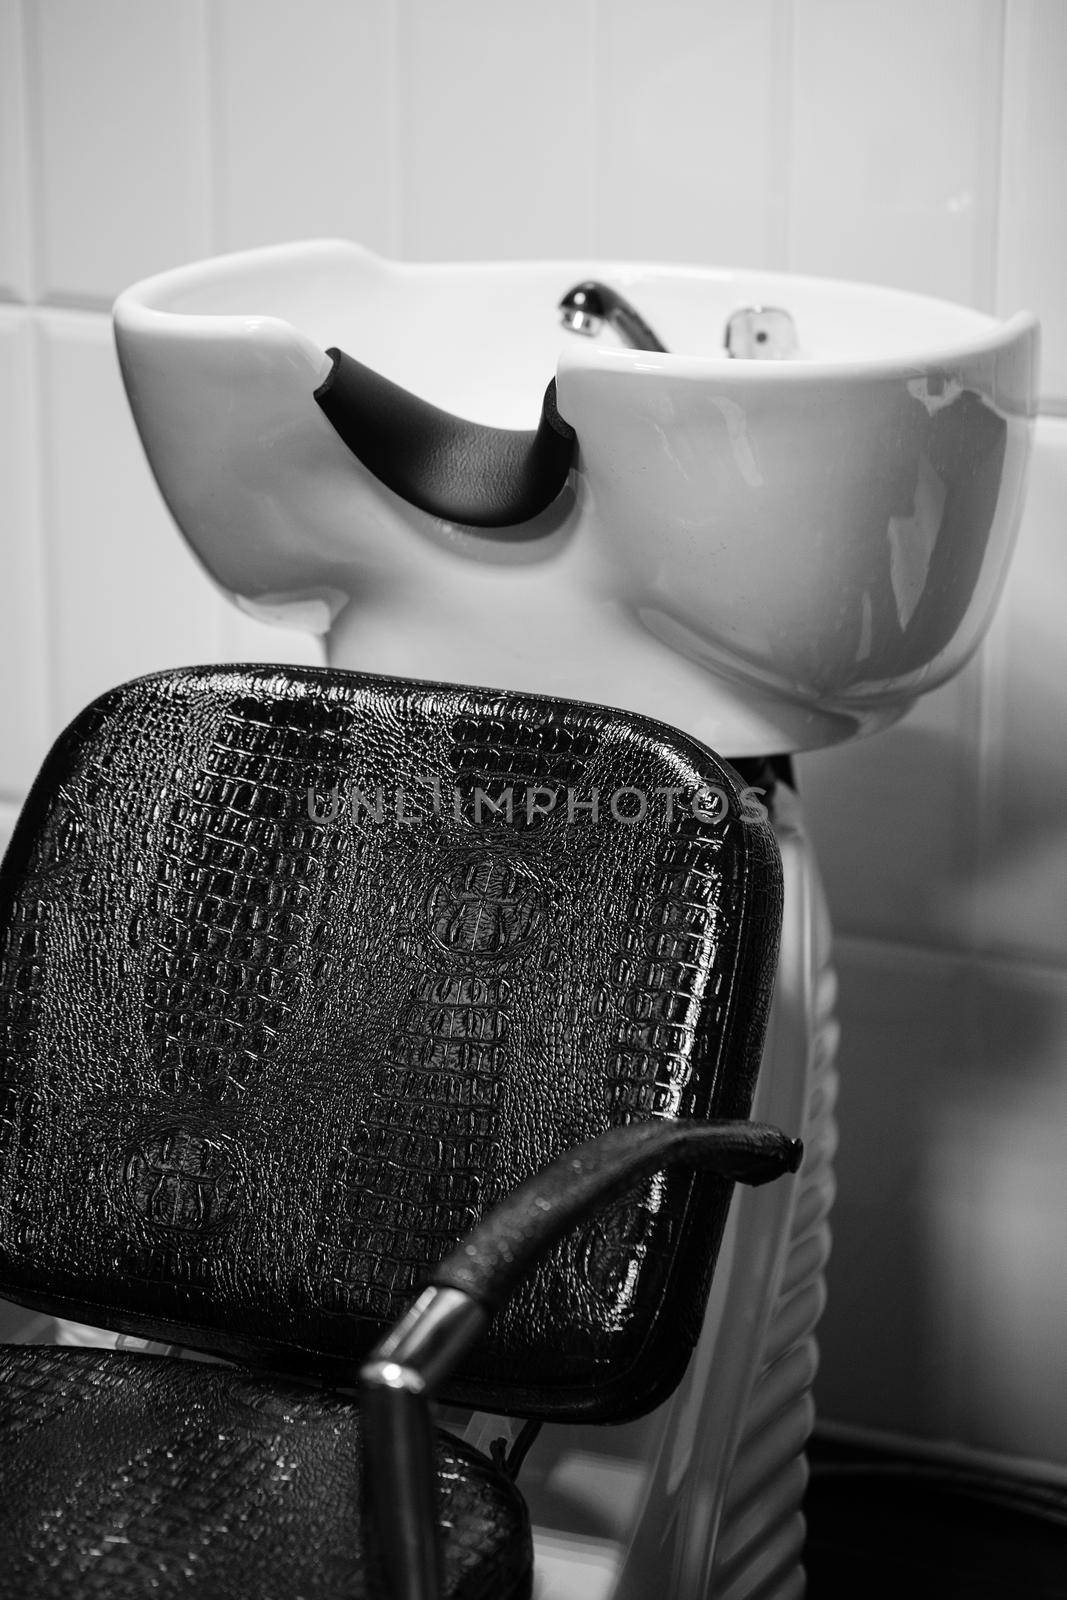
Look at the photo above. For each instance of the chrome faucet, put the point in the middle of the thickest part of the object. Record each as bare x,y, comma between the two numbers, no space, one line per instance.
586,307
753,333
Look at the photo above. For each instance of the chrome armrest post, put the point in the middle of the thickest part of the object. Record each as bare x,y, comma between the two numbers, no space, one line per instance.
397,1385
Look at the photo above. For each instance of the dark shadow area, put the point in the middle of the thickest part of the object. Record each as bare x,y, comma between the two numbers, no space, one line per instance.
882,1524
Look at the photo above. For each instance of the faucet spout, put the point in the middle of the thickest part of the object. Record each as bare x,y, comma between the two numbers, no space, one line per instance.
586,307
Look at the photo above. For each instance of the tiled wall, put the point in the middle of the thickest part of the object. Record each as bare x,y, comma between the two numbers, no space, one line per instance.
916,142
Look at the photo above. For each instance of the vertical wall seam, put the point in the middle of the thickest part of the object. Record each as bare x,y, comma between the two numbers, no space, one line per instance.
209,134
778,234
989,676
991,661
594,230
397,148
1014,31
213,143
33,173
988,285
785,143
37,422
32,143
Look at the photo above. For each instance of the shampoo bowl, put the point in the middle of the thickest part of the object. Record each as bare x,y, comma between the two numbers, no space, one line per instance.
785,553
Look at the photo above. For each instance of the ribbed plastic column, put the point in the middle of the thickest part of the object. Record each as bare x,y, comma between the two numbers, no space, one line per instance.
721,1513
761,1531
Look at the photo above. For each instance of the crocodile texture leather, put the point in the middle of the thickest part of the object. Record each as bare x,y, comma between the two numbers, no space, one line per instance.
266,1058
123,1476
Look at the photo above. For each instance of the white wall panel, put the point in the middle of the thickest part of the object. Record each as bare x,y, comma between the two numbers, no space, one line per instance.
1021,888
24,725
896,117
947,1298
304,122
126,595
894,819
904,1031
690,133
1032,257
119,111
496,133
15,249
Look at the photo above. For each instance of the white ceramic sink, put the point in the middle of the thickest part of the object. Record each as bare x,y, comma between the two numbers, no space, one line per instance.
772,554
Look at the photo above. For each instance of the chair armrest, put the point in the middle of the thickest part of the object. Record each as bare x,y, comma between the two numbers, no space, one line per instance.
407,1367
496,1256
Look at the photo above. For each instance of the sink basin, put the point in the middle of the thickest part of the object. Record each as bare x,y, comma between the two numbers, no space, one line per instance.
774,555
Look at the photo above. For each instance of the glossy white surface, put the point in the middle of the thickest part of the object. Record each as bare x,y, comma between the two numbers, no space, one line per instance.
784,554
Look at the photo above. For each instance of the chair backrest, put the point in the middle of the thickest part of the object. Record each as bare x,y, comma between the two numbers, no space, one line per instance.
286,1004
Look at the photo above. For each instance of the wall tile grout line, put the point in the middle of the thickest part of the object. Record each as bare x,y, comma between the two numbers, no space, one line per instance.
787,134
1033,165
14,242
593,36
925,953
213,67
1016,34
29,43
968,843
780,201
400,184
213,63
992,265
37,412
32,142
74,300
400,132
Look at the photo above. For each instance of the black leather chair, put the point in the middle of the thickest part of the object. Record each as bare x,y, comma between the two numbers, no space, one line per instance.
295,1007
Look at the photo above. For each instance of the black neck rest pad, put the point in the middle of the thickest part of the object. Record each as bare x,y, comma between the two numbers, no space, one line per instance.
443,464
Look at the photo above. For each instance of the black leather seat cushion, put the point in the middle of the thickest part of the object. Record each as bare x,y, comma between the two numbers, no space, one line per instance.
125,1475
